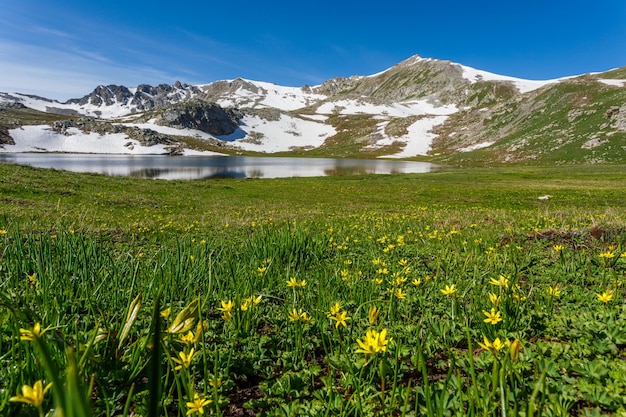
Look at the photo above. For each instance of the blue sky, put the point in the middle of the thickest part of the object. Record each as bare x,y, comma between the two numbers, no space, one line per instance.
64,48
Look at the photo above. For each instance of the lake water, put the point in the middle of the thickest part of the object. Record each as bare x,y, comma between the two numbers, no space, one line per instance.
196,167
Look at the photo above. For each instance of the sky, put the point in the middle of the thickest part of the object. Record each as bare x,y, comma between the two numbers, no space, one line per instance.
63,49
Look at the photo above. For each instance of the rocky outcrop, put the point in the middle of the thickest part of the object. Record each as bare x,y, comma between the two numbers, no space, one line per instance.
5,138
207,117
414,78
105,96
617,117
145,137
144,97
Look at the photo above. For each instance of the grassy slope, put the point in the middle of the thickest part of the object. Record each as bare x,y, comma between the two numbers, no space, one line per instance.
52,198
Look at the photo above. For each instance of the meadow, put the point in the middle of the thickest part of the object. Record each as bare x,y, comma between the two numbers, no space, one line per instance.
453,293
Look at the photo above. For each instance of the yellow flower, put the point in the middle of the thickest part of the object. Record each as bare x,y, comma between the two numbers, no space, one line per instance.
372,315
261,270
247,302
257,300
294,315
166,313
416,282
3,232
494,346
400,280
305,317
403,262
32,395
185,359
34,332
227,306
495,299
334,309
373,342
341,318
558,248
502,282
397,292
449,290
514,349
607,255
197,405
32,278
493,317
554,291
215,382
293,282
606,296
189,338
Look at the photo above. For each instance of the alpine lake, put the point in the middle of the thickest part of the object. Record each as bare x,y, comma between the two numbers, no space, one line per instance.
211,166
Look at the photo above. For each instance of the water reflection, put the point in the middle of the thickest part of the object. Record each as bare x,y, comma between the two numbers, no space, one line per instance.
198,167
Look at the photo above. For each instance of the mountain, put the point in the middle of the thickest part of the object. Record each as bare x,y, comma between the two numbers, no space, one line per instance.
421,107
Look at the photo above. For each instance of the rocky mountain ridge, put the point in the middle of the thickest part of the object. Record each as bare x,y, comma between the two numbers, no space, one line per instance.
419,107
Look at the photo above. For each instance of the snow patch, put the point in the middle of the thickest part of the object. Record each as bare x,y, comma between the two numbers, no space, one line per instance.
41,138
417,141
405,109
473,75
476,146
614,83
284,134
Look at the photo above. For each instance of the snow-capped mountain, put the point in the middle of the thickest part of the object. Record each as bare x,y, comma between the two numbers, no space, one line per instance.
418,107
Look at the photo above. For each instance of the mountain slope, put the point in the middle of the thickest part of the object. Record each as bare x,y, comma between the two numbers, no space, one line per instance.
419,107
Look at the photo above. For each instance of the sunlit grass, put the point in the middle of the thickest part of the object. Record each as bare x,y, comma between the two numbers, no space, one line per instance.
452,293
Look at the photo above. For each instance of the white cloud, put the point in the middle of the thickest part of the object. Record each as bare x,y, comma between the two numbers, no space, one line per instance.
63,74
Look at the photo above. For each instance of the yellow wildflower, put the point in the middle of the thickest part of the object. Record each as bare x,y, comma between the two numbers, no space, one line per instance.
514,349
606,296
185,359
397,292
227,306
494,346
32,395
416,282
493,317
189,338
372,315
334,309
373,342
247,302
294,315
502,281
340,319
495,299
449,290
554,291
166,313
305,317
558,248
607,255
34,332
197,405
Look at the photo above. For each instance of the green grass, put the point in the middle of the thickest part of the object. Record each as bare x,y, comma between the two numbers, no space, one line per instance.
99,258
